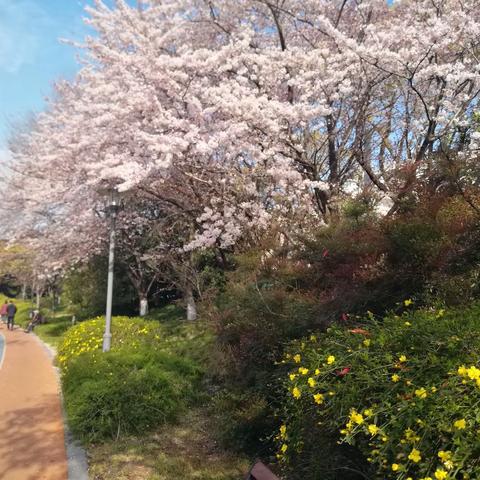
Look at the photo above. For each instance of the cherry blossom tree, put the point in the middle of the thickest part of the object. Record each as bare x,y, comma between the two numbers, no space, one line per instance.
231,117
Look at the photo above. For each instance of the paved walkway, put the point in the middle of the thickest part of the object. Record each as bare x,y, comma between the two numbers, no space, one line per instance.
31,425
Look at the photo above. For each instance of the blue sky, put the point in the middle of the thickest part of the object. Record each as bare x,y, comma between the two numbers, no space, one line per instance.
31,56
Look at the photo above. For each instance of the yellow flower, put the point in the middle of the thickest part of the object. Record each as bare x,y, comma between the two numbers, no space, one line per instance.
408,302
407,324
330,359
292,376
395,378
318,397
368,412
284,448
440,474
444,456
311,382
448,464
372,429
317,371
460,424
367,342
414,456
296,393
395,467
297,358
303,370
421,393
283,430
473,373
313,338
402,358
356,417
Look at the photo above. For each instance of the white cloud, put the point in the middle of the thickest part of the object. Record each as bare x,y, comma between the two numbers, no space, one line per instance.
21,25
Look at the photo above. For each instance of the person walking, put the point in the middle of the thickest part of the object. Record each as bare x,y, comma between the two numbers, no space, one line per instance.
11,311
3,312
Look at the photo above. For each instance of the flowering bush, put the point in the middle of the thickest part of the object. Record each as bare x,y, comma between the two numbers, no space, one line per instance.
88,337
142,382
404,392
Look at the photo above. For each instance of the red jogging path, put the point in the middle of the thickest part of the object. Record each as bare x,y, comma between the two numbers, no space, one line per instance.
32,445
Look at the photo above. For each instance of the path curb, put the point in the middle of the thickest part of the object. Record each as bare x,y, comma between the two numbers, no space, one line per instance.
76,455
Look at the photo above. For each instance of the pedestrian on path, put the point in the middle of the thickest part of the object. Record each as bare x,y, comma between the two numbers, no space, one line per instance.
3,312
11,311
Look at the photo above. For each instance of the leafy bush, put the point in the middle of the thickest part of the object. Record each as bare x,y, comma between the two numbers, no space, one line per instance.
88,337
141,383
242,418
326,275
400,395
85,289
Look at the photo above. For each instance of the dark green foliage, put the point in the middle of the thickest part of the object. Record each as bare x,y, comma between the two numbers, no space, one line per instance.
85,290
428,250
242,419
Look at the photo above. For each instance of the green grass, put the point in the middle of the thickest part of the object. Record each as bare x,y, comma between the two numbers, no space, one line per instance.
167,313
185,451
53,331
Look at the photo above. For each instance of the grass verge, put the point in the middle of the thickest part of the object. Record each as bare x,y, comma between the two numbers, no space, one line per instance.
184,450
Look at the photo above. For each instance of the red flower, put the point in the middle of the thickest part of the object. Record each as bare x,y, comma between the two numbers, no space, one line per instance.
344,317
361,331
325,253
342,372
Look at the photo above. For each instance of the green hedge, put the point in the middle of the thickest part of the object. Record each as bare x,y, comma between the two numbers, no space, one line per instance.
138,385
390,399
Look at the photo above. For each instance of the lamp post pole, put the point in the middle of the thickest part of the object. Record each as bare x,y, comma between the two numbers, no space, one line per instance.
107,336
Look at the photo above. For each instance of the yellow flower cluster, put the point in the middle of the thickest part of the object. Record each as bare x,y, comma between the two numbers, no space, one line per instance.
415,456
421,393
472,373
86,337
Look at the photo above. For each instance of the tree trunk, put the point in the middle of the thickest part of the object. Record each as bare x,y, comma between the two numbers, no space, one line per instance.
38,294
143,306
24,291
191,305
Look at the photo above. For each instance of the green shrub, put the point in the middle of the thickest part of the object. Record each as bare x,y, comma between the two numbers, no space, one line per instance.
415,243
85,289
141,383
87,336
402,392
242,418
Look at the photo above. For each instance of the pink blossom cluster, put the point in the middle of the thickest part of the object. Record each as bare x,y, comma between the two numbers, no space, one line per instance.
235,115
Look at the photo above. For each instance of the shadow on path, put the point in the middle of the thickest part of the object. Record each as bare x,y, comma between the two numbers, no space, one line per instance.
29,442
